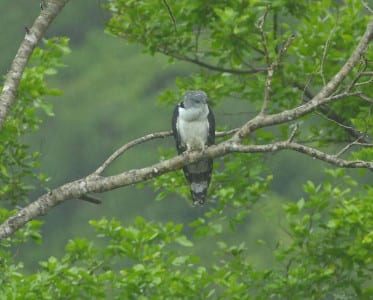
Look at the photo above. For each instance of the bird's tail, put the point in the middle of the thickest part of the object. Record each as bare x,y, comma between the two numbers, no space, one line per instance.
199,176
199,198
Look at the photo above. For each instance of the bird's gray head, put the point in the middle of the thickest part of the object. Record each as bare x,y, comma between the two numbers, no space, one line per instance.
195,99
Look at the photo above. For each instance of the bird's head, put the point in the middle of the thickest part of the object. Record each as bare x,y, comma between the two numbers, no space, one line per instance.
195,99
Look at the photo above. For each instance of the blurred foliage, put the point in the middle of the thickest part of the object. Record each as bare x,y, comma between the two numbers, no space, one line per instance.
254,239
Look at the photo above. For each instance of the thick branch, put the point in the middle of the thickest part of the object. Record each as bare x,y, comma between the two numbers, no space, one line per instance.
98,184
143,139
32,37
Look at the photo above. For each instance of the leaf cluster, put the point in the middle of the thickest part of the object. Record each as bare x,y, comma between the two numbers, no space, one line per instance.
328,254
17,161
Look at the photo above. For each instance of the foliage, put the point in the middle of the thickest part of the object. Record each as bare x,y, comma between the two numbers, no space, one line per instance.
329,256
132,262
225,35
320,249
331,247
17,162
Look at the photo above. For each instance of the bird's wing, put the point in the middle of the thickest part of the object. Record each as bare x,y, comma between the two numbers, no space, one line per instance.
211,121
175,116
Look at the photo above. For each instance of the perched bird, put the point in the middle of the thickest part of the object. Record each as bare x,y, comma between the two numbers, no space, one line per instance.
193,126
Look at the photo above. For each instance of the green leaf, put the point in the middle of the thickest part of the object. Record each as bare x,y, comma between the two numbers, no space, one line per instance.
182,240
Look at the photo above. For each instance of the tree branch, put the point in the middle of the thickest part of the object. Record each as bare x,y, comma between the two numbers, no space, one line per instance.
271,65
151,136
260,25
334,117
169,10
97,184
270,71
309,151
129,145
214,67
31,39
322,97
370,10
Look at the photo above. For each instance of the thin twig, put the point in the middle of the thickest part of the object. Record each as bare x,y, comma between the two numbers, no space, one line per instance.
326,46
293,132
270,71
128,146
260,26
358,139
225,133
43,4
366,98
344,149
358,75
363,144
367,6
333,120
267,90
275,29
364,82
170,14
329,114
214,67
326,113
196,40
343,95
283,50
309,151
91,199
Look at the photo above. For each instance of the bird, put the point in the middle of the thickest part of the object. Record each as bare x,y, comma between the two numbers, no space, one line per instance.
193,127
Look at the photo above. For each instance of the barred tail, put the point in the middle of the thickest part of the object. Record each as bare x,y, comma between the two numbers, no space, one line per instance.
199,176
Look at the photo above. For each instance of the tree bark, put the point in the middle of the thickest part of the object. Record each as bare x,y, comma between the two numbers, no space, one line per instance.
49,12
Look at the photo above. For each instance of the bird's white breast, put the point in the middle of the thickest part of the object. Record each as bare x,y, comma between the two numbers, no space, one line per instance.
193,127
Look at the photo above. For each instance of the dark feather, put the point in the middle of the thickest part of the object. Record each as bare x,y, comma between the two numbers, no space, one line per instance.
211,119
179,147
199,174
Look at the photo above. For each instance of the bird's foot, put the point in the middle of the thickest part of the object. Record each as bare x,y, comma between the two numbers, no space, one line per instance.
198,202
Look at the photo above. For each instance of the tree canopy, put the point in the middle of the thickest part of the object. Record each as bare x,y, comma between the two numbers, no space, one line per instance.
299,75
